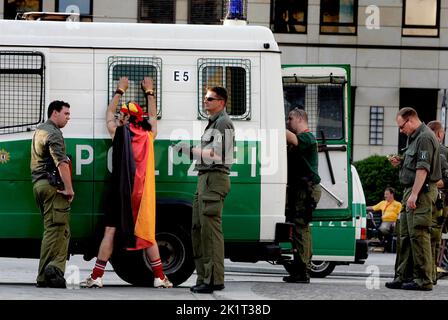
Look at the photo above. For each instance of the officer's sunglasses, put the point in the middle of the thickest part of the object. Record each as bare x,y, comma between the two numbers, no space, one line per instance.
404,123
209,99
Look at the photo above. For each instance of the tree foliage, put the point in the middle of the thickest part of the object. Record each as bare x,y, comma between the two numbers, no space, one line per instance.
376,174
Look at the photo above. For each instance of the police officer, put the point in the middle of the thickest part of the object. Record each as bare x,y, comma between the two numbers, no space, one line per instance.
53,192
439,218
420,170
214,160
303,192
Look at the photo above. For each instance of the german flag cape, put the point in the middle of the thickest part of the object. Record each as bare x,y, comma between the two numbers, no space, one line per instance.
143,197
123,171
133,186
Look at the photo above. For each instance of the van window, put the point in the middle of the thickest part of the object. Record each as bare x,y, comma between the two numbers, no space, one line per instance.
232,74
22,89
135,68
323,104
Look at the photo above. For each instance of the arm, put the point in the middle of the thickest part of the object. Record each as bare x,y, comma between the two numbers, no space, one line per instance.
148,88
111,123
221,149
420,178
208,154
64,172
291,138
56,147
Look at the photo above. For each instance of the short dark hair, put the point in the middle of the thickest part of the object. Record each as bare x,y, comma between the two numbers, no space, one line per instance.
407,113
391,190
220,92
56,105
144,124
300,113
435,125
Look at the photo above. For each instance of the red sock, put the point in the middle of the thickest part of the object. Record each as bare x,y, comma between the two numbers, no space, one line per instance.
157,269
98,270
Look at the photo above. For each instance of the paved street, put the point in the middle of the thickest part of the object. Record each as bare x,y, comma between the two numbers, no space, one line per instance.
244,281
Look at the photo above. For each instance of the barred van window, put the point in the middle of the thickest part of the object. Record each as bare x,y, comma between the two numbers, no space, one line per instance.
232,74
157,11
323,104
135,68
22,90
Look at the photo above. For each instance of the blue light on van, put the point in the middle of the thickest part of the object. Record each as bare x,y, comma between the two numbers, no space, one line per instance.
235,10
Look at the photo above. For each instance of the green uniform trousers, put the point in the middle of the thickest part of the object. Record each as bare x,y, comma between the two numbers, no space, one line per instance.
397,247
436,237
55,210
301,238
415,254
206,233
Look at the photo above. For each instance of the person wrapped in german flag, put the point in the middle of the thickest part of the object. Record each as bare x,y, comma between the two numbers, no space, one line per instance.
130,216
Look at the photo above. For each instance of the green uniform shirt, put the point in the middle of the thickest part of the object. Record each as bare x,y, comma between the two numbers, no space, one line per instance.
444,165
422,152
303,160
47,150
219,135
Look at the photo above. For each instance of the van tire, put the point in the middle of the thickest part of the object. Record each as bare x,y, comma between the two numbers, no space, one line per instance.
175,252
321,269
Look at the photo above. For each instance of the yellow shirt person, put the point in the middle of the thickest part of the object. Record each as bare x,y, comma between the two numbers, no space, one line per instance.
390,210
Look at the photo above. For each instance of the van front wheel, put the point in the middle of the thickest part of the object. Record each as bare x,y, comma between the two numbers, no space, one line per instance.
175,252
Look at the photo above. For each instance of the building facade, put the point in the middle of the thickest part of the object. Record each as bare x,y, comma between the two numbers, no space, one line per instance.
397,49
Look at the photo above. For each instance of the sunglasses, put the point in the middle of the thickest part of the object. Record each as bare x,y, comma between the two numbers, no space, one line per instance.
404,123
211,99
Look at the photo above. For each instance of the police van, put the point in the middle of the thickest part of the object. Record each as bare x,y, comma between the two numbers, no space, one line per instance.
80,63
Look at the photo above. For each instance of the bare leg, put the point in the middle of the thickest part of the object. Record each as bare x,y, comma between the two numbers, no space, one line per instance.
104,254
153,252
107,244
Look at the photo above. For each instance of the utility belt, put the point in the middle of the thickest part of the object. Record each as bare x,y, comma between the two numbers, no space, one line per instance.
53,176
306,185
302,183
425,188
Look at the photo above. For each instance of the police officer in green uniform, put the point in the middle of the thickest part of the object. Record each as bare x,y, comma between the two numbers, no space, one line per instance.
303,192
214,160
438,219
53,192
420,170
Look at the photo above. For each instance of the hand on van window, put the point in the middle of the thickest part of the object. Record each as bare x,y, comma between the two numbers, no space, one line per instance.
147,84
123,83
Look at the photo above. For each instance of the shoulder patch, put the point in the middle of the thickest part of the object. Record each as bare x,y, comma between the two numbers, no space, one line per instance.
423,155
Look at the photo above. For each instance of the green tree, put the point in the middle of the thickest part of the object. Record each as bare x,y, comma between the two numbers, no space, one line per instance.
376,174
